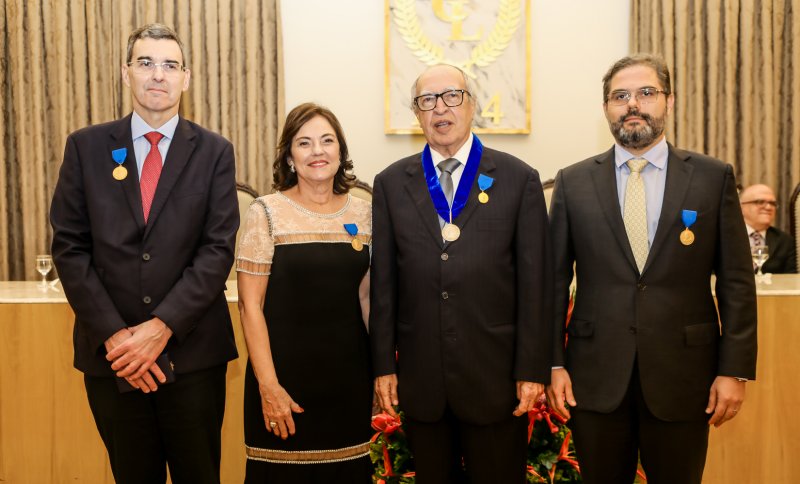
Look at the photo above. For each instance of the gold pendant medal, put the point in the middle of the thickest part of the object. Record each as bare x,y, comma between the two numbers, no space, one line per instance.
451,232
355,243
687,237
485,182
120,173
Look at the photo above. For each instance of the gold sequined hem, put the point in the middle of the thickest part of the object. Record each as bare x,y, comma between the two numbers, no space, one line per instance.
307,456
301,238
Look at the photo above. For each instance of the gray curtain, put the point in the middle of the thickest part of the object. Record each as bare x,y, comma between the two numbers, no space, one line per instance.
736,75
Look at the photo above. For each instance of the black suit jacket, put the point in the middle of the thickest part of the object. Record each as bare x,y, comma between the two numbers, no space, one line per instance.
666,316
782,253
118,272
468,318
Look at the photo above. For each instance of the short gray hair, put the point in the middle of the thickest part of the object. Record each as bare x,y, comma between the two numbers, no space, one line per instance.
467,83
154,31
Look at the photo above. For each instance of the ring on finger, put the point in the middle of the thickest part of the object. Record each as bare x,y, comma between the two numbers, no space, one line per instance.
273,424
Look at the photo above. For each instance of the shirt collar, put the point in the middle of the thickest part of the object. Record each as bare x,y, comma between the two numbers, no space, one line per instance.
461,155
656,156
139,127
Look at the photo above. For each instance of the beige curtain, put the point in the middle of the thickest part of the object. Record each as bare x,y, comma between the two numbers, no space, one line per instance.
60,71
736,75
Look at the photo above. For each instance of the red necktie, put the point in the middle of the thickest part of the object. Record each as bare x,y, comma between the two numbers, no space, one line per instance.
151,170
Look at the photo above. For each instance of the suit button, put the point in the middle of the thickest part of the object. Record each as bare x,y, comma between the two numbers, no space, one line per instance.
444,295
642,286
632,330
445,256
146,299
145,257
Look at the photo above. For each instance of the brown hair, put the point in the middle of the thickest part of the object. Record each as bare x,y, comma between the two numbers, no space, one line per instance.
283,177
650,60
154,31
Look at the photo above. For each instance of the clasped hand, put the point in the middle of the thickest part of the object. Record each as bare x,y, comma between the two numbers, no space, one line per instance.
133,351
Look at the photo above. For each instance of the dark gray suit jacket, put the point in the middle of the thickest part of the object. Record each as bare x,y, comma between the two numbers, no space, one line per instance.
467,318
119,272
666,316
782,253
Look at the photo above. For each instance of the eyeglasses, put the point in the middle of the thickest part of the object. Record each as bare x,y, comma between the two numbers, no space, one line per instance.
450,98
146,66
645,95
761,203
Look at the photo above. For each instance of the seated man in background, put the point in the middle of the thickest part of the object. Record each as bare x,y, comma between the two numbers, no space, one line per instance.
758,207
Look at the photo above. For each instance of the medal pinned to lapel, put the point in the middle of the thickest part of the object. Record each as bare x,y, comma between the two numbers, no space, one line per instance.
484,183
120,172
356,243
689,218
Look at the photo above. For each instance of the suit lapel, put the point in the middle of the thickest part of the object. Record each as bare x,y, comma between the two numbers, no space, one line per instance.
417,189
180,149
679,174
121,138
605,185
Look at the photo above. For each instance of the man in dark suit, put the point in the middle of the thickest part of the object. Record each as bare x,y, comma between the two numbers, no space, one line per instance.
461,276
758,208
144,219
646,225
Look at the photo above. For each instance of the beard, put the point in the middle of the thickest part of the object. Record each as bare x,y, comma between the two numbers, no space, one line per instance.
638,137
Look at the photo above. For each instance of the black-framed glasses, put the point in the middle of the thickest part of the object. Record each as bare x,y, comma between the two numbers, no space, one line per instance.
146,66
645,95
760,203
451,98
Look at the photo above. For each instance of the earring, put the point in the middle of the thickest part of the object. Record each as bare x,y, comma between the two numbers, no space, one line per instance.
291,167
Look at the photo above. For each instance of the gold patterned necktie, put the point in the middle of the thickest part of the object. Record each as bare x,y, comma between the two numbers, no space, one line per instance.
635,212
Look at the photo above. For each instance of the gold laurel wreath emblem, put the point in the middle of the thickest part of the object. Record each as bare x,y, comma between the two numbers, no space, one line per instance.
482,55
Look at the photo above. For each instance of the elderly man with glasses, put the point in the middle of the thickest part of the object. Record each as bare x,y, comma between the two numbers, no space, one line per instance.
461,293
758,208
144,220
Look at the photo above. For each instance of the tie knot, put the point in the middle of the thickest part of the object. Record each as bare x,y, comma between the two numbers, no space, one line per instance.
637,164
448,165
153,137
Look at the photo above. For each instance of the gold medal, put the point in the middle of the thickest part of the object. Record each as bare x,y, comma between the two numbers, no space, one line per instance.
483,197
687,237
451,232
120,173
357,244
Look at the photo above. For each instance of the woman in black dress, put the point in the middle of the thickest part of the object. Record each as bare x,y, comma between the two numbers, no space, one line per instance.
303,276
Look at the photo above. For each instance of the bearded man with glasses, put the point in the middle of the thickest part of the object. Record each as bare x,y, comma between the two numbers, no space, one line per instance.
650,361
758,208
461,293
144,220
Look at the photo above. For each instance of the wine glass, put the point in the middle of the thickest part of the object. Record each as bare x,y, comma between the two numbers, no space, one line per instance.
760,254
44,264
